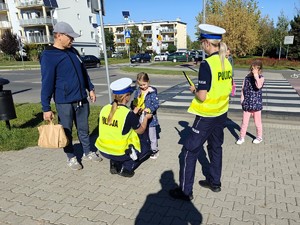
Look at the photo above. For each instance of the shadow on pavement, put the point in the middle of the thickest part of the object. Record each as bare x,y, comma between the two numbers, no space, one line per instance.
159,208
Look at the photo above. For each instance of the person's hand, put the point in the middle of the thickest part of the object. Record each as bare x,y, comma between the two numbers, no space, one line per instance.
148,115
48,116
193,89
255,71
92,96
137,110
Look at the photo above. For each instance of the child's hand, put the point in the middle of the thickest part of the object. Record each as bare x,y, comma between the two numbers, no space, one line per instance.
148,115
147,110
137,110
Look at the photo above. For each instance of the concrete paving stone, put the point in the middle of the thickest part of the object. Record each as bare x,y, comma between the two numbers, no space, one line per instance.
286,187
204,201
275,205
108,208
30,221
256,219
13,219
234,221
5,204
292,222
257,177
106,217
68,220
89,187
120,210
260,195
223,204
51,216
69,209
58,189
84,221
293,208
73,192
56,197
274,179
288,215
286,200
244,208
6,185
233,198
216,220
275,191
53,206
254,188
263,210
123,221
246,193
211,210
71,200
217,195
87,213
27,190
88,203
266,184
3,214
255,202
232,213
41,194
273,221
22,198
241,187
293,194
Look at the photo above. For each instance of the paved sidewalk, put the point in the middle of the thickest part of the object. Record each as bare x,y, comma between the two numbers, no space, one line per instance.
260,183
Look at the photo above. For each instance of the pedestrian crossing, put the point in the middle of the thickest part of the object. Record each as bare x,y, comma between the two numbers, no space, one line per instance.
278,96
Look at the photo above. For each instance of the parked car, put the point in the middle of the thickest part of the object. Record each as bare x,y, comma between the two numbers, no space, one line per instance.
193,54
91,61
117,55
141,57
179,57
161,57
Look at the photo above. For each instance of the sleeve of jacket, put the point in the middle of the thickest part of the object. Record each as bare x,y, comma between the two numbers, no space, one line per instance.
48,83
89,84
154,104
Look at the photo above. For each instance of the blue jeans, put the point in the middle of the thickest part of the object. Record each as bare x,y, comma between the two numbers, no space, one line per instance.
210,129
69,113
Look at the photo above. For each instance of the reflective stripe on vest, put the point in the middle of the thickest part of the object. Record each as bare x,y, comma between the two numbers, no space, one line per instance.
217,99
110,140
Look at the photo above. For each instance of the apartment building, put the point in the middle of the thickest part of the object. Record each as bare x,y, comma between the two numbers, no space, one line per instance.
158,34
33,20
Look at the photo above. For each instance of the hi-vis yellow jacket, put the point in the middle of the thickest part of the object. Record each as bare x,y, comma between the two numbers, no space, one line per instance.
217,99
110,140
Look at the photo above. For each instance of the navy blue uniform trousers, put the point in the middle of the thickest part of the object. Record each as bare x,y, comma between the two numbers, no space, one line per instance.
210,129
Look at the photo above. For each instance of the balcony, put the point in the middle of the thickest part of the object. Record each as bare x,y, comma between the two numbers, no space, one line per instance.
147,31
37,22
149,39
39,39
3,7
29,4
5,25
120,41
168,30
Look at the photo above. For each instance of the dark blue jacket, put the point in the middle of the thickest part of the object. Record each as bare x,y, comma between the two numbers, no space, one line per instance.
64,77
152,103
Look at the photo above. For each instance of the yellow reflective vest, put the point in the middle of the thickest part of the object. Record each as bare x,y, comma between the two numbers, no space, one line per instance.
110,140
217,99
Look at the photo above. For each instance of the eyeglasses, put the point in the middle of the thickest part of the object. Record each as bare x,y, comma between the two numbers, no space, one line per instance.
71,38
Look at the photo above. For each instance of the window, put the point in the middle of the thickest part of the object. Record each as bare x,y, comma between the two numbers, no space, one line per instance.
80,32
78,16
91,19
93,35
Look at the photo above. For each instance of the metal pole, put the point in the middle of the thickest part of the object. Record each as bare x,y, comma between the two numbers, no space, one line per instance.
203,21
104,50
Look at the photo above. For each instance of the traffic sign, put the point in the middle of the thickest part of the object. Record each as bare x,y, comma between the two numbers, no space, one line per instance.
140,44
127,33
127,41
288,40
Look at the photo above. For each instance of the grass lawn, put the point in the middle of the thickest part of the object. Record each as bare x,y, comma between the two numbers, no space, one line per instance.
24,132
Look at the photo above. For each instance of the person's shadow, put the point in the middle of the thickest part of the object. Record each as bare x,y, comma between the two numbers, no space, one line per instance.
160,208
233,126
202,159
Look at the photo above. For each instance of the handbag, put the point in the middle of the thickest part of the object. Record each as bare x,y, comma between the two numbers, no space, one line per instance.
52,136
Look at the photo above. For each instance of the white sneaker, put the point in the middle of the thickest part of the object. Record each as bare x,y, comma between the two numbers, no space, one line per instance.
154,155
257,140
240,141
73,164
92,156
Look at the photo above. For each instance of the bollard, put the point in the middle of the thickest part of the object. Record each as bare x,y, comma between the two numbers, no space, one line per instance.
7,108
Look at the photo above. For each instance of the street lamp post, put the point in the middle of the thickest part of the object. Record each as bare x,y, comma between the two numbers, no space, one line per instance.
126,16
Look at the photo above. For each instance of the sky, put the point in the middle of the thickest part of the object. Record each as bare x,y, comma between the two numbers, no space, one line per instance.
170,10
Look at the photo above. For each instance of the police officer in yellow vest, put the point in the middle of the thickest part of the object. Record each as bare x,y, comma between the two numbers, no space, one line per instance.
210,105
120,132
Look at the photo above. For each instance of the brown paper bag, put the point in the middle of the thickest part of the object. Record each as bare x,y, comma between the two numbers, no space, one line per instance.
52,136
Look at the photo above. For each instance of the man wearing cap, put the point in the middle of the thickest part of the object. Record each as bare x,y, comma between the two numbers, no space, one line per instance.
122,138
210,105
65,78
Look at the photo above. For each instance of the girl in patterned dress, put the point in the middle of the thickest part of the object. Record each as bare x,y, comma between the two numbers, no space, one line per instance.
251,101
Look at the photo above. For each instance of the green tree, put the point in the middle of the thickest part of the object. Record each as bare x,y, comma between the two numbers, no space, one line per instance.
172,48
266,36
135,34
109,40
294,52
240,19
282,30
9,43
